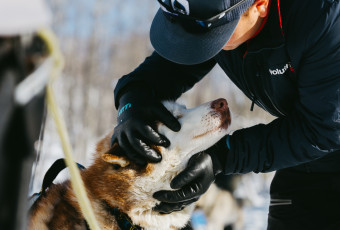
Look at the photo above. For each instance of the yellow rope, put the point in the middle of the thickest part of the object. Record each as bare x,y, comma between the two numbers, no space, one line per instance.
77,183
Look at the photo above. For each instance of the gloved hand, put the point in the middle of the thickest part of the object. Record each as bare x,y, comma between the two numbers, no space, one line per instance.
138,113
195,180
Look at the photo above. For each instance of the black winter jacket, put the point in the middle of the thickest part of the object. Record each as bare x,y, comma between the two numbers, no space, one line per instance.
292,70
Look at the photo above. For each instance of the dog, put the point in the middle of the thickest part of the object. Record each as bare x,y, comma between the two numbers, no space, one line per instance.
114,183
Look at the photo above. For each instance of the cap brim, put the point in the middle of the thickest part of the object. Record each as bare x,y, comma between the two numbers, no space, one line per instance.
173,42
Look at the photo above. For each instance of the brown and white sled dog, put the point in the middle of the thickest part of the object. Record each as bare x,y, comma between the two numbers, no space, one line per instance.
112,182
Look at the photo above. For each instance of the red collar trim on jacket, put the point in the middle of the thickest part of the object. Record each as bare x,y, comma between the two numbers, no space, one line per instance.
279,10
263,22
271,25
259,30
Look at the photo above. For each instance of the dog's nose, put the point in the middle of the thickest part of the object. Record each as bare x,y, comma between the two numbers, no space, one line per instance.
219,105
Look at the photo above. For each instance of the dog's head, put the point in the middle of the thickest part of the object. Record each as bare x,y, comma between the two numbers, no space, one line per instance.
201,127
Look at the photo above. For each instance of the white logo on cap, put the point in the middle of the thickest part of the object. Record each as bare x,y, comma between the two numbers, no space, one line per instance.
181,6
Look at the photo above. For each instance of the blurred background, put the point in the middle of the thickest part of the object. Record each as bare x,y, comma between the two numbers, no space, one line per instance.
103,40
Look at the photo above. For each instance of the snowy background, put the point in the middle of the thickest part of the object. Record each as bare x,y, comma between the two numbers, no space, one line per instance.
103,40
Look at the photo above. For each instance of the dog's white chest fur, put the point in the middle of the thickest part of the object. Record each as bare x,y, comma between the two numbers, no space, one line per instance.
159,179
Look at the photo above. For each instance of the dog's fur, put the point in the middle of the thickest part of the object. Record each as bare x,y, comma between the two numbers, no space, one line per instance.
130,187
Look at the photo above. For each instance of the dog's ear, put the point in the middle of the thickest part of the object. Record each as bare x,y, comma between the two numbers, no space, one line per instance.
116,156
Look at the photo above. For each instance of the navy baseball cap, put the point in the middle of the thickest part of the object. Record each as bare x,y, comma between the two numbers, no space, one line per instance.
193,31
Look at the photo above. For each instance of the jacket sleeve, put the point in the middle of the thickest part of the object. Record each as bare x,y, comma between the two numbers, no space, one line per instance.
312,130
164,79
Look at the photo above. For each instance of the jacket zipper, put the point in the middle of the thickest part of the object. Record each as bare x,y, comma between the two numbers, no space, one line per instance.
253,97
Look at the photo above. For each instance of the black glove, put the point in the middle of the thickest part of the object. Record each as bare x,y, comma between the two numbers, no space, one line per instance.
195,180
138,113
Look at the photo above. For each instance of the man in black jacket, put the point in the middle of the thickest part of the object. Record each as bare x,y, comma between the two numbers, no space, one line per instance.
285,56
